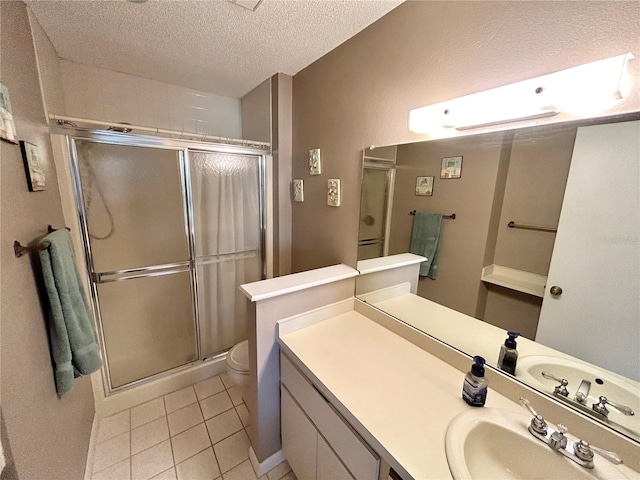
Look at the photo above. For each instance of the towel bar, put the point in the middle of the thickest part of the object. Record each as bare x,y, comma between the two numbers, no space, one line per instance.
452,216
513,224
19,250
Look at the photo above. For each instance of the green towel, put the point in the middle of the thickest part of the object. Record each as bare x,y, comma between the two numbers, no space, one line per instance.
425,241
74,346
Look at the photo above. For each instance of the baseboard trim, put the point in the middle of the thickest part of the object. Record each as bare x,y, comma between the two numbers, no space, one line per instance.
269,464
92,447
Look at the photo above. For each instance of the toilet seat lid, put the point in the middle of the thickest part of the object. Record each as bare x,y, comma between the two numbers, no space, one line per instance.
238,356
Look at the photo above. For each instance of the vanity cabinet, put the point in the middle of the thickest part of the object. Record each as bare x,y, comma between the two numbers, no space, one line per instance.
318,443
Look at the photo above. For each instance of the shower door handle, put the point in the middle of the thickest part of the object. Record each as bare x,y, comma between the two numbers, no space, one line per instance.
155,271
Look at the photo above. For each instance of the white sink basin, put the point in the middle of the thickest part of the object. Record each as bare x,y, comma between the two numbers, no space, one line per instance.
605,383
488,443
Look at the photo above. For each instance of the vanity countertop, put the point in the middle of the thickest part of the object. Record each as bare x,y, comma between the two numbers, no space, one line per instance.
397,396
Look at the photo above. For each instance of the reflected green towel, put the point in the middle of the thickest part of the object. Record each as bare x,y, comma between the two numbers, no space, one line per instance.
425,241
74,346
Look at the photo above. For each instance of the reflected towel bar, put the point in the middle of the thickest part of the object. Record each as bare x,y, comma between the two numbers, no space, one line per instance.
452,216
19,250
513,224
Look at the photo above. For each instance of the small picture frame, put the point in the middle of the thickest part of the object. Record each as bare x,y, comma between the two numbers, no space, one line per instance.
315,162
424,186
7,125
298,190
333,192
32,166
451,167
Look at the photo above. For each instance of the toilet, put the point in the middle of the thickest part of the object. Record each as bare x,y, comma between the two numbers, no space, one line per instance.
238,363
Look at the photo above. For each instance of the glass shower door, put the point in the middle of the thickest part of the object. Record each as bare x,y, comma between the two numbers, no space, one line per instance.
138,255
374,204
227,220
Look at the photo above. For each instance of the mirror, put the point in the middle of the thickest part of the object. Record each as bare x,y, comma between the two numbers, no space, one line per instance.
503,195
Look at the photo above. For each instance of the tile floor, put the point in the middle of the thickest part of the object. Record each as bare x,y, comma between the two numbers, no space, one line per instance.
197,433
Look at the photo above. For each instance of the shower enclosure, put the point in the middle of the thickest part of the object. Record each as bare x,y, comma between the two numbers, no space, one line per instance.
170,230
375,214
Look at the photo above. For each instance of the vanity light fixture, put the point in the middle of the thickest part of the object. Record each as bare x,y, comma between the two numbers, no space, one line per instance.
589,88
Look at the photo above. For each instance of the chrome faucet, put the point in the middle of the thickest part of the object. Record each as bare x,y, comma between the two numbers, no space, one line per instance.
601,407
578,451
583,392
560,389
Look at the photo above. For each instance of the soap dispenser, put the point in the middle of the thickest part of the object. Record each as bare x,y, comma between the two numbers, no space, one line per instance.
474,388
508,354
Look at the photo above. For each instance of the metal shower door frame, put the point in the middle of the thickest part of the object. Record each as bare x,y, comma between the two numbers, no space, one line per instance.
182,147
390,171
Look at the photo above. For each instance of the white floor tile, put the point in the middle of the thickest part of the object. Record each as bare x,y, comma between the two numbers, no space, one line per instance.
226,380
209,387
148,435
121,471
202,466
223,425
290,476
184,419
166,475
152,461
244,415
232,451
147,412
113,426
279,471
236,395
215,405
111,452
244,471
177,400
187,444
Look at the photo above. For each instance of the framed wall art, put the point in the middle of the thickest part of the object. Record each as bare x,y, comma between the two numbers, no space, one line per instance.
424,186
451,167
315,162
7,125
298,190
32,166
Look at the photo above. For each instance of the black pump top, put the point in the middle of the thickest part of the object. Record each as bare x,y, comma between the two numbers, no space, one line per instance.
477,368
511,341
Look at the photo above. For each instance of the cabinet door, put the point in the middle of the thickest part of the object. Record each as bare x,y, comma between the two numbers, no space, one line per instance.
596,256
299,438
329,465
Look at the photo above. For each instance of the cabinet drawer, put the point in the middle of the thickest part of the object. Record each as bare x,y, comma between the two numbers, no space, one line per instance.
354,453
329,465
299,438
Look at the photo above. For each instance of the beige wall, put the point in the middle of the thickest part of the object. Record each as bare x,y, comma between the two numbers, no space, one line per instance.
266,116
463,240
282,144
49,436
48,68
535,184
423,53
256,113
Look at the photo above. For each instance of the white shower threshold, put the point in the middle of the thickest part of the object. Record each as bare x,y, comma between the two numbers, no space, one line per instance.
108,405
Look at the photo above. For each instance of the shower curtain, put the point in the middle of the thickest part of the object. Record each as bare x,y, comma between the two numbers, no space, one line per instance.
227,227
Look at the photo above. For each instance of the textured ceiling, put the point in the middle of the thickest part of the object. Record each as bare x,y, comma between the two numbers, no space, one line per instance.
212,45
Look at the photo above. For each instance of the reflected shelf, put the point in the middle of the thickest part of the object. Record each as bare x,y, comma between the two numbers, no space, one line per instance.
518,280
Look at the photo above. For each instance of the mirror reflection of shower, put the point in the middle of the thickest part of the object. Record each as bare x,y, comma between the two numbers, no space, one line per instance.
378,177
98,211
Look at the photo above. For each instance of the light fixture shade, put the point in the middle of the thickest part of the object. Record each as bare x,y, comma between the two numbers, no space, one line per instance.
588,88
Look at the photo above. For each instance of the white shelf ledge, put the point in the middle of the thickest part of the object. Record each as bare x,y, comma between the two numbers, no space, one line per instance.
380,264
519,280
295,282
